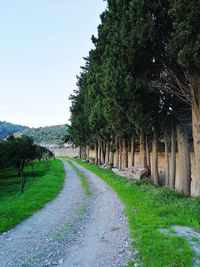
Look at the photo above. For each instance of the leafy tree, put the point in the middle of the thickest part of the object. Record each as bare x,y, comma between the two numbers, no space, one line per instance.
16,152
145,58
184,49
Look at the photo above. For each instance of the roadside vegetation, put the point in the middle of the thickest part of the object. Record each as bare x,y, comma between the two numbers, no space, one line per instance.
139,91
7,129
83,179
46,135
150,209
18,152
40,188
28,179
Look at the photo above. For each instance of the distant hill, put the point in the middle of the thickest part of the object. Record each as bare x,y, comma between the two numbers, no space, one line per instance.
49,135
7,129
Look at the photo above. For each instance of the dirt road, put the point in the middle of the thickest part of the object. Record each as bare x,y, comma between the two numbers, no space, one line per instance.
72,230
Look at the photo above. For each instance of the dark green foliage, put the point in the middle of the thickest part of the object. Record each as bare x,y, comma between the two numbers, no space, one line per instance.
14,150
46,135
15,207
7,129
78,132
144,64
42,135
124,86
17,152
115,96
185,39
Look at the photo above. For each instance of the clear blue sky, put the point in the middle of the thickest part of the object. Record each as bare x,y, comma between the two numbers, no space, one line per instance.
42,43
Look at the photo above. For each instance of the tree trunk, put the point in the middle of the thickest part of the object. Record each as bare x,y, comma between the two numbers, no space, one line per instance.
120,154
148,153
143,159
133,150
173,156
167,174
112,153
112,158
84,152
96,152
99,159
126,153
183,180
23,182
80,152
123,154
23,177
108,148
104,151
88,152
195,187
194,83
154,168
117,153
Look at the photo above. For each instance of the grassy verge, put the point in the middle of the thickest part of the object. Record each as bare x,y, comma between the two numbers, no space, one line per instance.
83,179
149,209
66,228
14,206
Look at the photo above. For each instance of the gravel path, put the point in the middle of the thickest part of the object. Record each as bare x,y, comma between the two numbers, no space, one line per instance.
73,230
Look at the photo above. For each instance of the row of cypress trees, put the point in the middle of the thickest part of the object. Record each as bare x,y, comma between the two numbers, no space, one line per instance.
141,83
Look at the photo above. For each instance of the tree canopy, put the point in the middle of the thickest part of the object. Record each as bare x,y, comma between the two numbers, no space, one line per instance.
141,77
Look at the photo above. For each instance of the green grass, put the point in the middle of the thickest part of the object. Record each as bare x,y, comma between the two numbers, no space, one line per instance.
10,182
83,206
83,179
14,206
149,209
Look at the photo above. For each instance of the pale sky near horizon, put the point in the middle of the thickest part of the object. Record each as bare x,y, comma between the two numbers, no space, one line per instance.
42,43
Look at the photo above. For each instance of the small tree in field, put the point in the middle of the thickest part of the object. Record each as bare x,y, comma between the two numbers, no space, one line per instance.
16,152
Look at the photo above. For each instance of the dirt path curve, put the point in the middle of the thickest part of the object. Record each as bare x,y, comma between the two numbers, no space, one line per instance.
73,230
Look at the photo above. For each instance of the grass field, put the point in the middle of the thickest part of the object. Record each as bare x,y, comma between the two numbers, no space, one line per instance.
149,209
14,206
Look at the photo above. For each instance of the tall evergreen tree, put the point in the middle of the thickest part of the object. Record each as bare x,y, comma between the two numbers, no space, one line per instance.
184,50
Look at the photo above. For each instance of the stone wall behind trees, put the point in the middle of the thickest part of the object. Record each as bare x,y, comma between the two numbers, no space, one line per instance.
65,152
161,163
